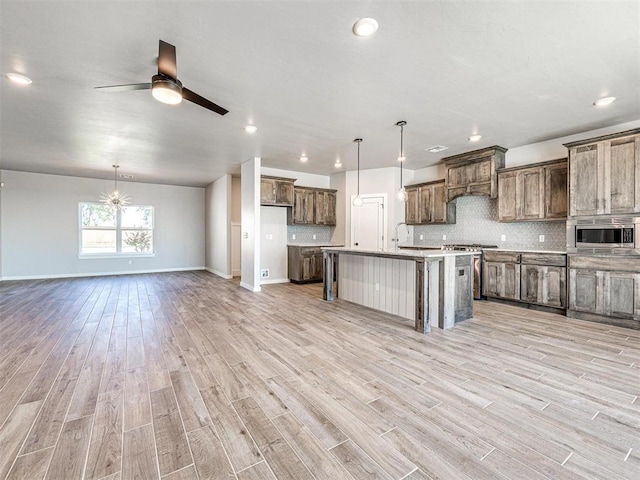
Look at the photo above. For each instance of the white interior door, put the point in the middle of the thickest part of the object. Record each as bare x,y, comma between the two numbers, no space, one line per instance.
369,223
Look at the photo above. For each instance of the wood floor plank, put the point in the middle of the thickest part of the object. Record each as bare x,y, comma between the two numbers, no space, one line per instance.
260,471
139,459
282,459
188,473
32,466
137,406
171,439
358,463
210,459
105,450
69,455
192,409
13,432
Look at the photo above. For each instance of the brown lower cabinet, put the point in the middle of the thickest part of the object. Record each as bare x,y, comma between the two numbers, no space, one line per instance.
605,289
532,278
305,264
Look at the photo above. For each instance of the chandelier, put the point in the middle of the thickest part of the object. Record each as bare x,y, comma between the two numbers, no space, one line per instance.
116,198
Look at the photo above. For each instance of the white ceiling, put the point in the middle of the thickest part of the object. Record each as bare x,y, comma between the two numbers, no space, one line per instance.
517,72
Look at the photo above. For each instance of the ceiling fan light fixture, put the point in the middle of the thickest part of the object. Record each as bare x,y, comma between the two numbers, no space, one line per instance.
166,90
365,27
19,79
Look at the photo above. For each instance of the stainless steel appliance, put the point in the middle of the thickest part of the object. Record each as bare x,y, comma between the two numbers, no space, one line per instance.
612,235
477,262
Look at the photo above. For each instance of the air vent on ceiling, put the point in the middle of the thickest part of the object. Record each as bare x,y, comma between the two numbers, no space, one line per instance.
436,148
122,175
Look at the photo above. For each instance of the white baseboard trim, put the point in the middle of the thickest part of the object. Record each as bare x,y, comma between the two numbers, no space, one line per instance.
220,274
274,280
250,287
99,274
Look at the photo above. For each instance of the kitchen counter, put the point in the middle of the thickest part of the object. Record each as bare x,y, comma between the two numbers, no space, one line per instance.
432,287
314,244
555,252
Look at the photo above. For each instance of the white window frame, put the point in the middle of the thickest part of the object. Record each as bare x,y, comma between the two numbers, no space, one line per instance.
119,230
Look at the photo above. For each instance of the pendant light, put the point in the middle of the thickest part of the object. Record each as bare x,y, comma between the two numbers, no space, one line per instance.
357,202
116,198
402,193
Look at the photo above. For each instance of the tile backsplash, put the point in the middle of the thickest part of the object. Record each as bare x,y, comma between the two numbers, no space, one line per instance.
477,222
305,233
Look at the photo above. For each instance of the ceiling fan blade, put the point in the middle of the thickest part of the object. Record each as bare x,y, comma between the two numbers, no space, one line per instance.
125,88
167,60
203,102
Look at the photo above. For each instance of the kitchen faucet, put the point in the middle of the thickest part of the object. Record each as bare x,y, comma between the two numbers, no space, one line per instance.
396,240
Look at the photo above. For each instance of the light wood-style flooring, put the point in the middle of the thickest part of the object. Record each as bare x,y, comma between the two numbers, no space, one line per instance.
187,376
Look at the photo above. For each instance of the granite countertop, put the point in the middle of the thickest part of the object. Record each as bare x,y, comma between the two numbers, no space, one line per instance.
524,250
400,253
314,244
420,247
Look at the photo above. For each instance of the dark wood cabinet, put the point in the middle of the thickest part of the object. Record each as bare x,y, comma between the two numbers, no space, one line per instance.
535,192
474,173
305,264
533,278
276,191
604,175
427,204
313,206
605,289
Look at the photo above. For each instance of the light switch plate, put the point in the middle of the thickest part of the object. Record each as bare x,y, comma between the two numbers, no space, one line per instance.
293,237
541,238
421,237
314,236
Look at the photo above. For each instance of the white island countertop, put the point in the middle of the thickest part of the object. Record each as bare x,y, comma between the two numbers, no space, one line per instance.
314,244
400,253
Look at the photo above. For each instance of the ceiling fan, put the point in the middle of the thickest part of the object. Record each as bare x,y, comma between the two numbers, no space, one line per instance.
165,86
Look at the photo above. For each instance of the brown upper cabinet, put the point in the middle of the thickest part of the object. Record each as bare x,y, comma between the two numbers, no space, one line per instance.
474,173
427,204
534,192
313,206
604,175
276,191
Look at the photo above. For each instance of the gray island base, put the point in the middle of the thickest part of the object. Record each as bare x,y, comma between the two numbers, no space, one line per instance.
432,287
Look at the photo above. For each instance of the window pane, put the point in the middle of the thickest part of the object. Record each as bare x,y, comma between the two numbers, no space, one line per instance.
98,215
140,216
98,241
137,241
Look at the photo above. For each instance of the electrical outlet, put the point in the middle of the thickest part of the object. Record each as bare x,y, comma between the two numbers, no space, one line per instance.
444,237
314,236
377,287
293,237
264,273
421,237
541,238
503,238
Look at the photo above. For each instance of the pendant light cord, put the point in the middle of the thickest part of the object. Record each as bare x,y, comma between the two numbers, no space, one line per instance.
401,152
359,168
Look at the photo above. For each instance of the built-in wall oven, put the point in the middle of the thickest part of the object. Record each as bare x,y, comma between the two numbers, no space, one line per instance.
612,235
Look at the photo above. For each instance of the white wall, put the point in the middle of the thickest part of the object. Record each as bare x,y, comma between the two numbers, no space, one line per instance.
273,244
236,200
250,187
379,180
40,236
218,227
302,179
338,181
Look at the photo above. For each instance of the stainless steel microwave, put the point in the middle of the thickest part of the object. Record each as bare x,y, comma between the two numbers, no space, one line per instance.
617,235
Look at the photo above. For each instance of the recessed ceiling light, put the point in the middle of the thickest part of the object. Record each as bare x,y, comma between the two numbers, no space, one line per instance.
338,163
436,149
601,102
17,78
365,27
250,129
475,138
303,158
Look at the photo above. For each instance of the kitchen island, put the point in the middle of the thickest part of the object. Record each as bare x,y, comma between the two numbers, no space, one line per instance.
432,287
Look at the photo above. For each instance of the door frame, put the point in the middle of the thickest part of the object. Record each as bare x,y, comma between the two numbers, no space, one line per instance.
384,203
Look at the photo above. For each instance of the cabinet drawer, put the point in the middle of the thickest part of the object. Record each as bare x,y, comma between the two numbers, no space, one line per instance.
550,259
505,257
306,251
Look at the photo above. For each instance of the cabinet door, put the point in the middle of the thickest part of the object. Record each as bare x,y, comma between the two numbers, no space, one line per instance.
531,283
424,204
284,193
509,281
555,186
586,289
622,161
554,288
531,195
507,190
325,208
411,207
491,273
439,203
583,181
307,267
317,266
303,206
622,294
267,191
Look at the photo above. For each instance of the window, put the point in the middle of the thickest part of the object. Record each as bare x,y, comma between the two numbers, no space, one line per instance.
106,231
